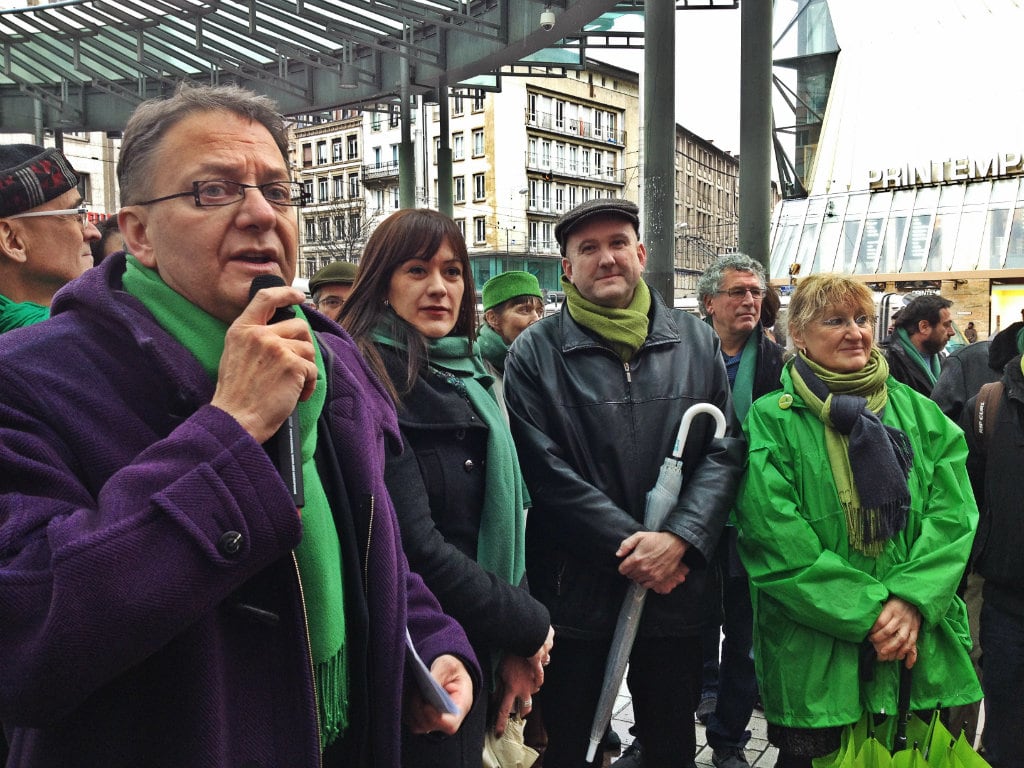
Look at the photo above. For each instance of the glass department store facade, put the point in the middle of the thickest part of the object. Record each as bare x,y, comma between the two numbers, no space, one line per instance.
907,175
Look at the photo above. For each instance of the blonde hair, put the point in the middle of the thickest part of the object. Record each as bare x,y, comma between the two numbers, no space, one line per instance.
816,293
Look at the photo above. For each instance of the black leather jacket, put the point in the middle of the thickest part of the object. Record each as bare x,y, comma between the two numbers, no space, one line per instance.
994,468
592,434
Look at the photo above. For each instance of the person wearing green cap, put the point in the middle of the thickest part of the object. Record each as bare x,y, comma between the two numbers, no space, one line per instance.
331,286
512,302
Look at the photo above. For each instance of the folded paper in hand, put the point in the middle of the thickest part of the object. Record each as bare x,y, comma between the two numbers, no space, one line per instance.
430,689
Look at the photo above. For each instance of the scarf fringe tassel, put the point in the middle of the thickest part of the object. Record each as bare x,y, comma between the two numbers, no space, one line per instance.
332,685
870,529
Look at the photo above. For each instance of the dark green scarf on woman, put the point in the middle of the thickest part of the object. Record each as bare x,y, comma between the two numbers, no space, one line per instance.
501,540
319,553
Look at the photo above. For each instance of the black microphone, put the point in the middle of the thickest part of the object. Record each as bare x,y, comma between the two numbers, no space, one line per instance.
285,447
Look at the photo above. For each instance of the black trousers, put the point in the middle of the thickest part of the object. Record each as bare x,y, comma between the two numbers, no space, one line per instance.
664,682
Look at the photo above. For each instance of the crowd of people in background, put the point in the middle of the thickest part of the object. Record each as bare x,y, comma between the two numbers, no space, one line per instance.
378,529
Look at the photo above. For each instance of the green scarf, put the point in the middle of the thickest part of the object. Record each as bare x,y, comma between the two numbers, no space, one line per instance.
17,315
492,347
743,387
624,329
931,368
870,462
501,539
319,554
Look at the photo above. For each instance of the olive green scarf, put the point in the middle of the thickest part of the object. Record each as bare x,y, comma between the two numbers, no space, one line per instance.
319,553
625,330
870,461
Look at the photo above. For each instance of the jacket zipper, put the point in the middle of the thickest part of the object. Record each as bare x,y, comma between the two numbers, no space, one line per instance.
629,375
369,540
309,655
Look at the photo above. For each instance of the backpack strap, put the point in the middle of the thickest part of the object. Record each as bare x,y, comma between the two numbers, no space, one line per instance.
986,408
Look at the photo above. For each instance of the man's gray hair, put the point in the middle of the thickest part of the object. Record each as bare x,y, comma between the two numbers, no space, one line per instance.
152,119
711,281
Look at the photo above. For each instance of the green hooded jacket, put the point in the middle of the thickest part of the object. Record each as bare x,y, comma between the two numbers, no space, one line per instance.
815,598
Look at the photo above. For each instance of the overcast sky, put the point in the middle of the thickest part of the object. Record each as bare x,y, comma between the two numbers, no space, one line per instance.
707,73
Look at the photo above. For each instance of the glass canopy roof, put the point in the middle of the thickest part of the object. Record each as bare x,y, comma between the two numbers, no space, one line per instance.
85,64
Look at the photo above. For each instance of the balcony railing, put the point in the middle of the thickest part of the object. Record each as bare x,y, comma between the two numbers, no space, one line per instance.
574,127
380,172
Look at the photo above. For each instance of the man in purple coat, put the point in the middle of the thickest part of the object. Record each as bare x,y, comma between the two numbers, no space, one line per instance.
163,602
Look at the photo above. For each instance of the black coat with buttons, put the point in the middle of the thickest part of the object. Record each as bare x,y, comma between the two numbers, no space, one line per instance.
437,485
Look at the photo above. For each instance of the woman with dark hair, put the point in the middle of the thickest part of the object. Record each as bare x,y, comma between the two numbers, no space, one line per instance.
456,485
856,520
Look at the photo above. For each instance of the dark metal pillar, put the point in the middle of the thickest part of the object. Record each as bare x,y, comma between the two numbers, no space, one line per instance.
755,128
659,136
406,150
445,196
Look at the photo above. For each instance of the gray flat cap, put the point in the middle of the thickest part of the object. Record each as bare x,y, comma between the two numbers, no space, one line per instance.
608,207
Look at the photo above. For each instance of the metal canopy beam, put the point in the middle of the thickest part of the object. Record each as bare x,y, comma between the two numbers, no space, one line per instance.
85,64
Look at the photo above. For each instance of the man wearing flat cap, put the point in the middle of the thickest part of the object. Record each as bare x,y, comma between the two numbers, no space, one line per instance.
44,231
595,396
331,286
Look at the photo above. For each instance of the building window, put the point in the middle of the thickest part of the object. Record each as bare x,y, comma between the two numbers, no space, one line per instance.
321,153
336,150
396,202
353,185
355,225
479,229
478,143
375,122
322,186
478,100
378,199
461,224
459,189
325,229
479,186
307,189
458,146
353,146
307,155
393,119
310,231
559,199
339,187
339,227
457,104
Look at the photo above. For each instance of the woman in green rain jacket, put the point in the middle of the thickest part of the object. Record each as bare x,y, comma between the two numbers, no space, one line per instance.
856,520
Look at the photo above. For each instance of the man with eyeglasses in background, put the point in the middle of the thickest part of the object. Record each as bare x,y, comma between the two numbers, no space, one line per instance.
730,293
331,286
168,600
44,231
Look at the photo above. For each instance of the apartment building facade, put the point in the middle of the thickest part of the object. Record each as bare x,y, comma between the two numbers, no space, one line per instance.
707,206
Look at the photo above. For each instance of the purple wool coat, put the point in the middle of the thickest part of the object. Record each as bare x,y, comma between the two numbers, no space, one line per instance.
150,612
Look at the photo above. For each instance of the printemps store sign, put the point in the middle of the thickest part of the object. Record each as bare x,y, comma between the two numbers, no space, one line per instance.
947,171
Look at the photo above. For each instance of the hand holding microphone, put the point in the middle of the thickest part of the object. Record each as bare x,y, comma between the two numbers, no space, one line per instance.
268,366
